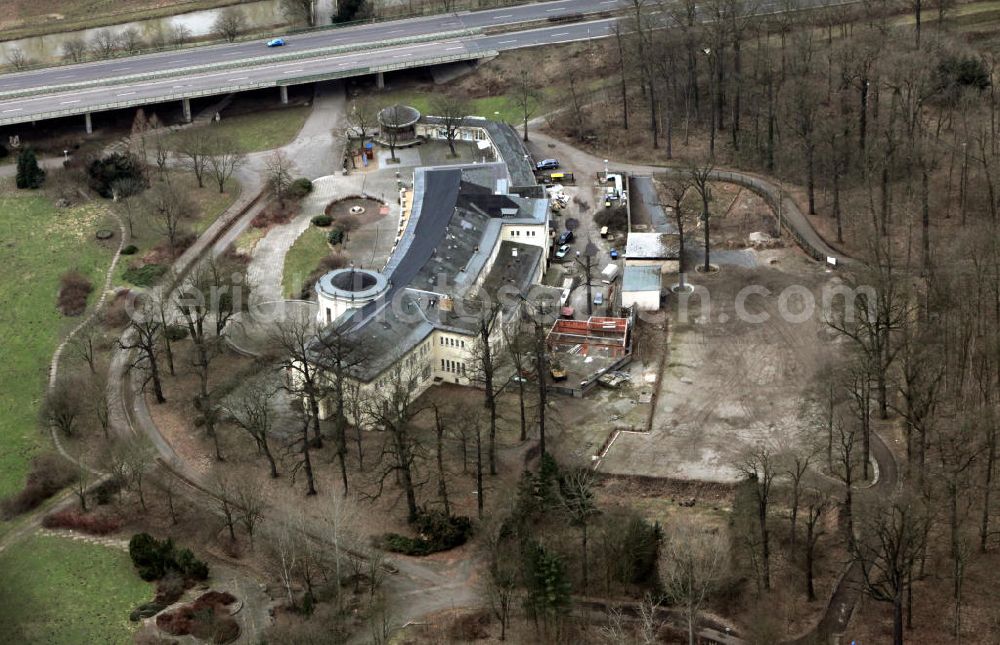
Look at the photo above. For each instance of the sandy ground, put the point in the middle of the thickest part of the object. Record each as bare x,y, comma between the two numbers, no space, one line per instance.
730,384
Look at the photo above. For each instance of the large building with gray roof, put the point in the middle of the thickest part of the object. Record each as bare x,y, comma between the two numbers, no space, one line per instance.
471,237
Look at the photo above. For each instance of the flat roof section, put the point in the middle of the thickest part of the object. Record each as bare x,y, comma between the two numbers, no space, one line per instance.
643,278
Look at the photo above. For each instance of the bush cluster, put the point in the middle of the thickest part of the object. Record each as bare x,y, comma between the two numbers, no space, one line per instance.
90,523
29,175
335,237
145,275
437,531
299,188
49,474
118,168
322,221
74,290
274,214
153,559
205,619
175,333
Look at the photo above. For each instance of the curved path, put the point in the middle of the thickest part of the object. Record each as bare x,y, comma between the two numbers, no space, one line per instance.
423,587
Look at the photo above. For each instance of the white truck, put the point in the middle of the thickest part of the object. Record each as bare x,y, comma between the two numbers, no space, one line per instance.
609,273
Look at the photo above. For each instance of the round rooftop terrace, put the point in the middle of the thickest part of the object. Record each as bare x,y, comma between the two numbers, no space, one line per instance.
351,284
398,117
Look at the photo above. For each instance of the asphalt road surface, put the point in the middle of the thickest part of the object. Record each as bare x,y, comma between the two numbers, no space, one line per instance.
152,63
113,86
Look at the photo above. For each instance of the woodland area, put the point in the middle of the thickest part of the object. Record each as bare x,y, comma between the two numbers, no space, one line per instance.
882,117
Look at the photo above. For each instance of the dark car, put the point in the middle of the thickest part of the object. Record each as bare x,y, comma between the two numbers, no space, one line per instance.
547,164
566,237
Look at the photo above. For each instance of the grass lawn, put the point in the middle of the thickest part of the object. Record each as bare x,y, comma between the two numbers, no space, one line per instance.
303,258
57,590
257,131
485,107
210,204
39,244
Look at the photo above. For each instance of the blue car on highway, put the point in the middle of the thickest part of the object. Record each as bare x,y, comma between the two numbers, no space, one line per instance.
276,42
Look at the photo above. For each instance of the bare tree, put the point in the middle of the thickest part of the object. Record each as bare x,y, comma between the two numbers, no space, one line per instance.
452,112
503,577
195,150
486,359
298,11
222,497
225,159
144,334
229,24
442,486
295,339
250,505
137,458
796,463
17,59
363,120
130,41
577,502
700,177
214,290
392,407
179,34
759,467
168,208
126,192
391,118
693,563
891,539
525,97
103,44
815,502
278,171
75,50
64,405
83,346
518,346
250,409
677,186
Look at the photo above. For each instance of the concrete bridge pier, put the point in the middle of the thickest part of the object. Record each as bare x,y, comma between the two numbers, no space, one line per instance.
284,95
186,105
89,122
380,80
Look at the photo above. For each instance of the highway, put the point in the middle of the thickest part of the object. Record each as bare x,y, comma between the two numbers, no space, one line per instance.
222,69
104,97
303,42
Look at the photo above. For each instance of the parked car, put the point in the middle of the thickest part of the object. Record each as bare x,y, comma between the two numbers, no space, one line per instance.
547,164
598,298
276,42
566,237
562,251
614,254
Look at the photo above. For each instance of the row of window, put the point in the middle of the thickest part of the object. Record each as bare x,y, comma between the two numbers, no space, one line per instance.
527,233
455,367
452,342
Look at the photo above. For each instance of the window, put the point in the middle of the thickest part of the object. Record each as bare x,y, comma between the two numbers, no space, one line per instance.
442,364
463,344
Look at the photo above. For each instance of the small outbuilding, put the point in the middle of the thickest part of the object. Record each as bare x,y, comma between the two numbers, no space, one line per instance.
398,122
